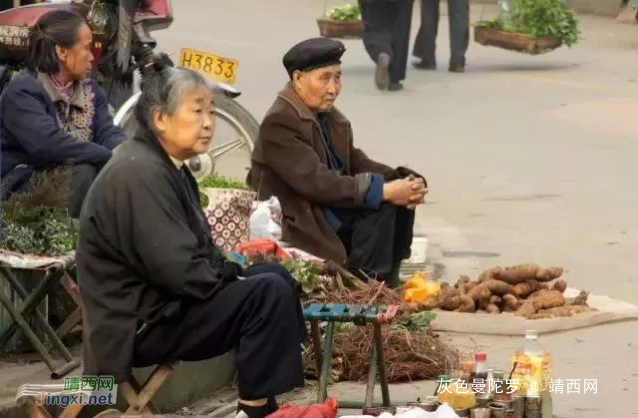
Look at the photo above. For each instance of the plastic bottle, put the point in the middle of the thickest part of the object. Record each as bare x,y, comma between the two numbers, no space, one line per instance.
533,366
532,346
479,373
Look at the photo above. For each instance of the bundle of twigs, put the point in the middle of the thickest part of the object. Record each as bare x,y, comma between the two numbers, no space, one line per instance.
409,355
370,293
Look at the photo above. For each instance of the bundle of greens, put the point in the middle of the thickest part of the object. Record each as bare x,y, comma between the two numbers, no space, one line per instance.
539,18
37,221
216,181
347,12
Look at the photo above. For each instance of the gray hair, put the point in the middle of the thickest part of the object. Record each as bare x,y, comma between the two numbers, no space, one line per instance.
164,90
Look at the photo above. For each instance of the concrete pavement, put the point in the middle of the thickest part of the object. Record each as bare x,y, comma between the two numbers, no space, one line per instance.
530,159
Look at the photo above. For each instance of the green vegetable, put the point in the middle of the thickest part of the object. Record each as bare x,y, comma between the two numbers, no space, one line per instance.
37,221
417,322
305,272
539,18
346,12
215,181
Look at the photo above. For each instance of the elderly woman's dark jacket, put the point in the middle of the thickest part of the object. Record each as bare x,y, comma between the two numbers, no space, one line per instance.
144,253
31,131
291,161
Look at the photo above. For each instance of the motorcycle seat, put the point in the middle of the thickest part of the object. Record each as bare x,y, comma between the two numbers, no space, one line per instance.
13,22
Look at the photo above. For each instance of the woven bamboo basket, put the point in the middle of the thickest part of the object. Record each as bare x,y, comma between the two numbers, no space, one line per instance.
518,42
329,28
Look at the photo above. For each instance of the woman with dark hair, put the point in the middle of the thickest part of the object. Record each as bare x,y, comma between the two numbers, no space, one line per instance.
154,286
52,115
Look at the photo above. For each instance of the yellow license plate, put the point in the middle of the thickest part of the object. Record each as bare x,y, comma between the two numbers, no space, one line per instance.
213,66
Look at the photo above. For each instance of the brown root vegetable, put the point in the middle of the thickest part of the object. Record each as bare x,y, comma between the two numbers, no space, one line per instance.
484,302
490,274
493,309
519,274
495,300
547,299
510,303
467,304
548,274
581,299
463,288
444,285
481,311
560,285
524,272
461,281
522,290
528,308
498,287
429,304
471,285
479,292
451,303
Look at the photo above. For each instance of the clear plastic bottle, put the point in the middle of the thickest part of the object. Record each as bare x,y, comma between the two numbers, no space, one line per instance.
504,11
532,346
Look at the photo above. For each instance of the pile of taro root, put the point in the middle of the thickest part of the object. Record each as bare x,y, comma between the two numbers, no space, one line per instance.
526,290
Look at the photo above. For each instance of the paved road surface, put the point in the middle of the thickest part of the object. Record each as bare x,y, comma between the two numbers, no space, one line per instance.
530,159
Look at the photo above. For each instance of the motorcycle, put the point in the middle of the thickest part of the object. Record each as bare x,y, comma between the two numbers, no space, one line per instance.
122,47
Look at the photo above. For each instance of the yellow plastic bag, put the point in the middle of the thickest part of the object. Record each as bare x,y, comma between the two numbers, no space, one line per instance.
537,369
419,287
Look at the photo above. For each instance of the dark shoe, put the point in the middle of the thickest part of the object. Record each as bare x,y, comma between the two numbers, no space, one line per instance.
382,74
457,64
395,86
425,64
393,281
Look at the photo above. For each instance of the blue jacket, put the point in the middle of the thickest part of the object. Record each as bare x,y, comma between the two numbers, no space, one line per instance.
30,134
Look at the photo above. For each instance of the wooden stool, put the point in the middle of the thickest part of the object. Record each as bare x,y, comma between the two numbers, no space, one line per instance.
55,273
361,315
138,396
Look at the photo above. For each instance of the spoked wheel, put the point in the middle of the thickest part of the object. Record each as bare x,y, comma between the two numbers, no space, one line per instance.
235,134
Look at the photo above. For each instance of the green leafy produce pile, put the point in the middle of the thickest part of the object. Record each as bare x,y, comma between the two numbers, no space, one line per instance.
346,12
215,181
37,221
539,18
306,273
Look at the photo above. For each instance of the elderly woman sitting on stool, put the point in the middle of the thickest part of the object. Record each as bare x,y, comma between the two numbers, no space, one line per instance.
337,203
154,286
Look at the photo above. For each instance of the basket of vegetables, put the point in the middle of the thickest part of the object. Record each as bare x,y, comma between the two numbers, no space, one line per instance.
342,22
530,26
227,204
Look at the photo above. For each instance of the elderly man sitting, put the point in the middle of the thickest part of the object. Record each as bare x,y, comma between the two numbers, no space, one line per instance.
337,203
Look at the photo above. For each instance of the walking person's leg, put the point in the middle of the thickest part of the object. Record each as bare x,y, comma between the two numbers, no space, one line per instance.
400,42
425,44
459,17
377,38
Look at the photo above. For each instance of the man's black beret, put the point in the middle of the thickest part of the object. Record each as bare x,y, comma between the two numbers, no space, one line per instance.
313,53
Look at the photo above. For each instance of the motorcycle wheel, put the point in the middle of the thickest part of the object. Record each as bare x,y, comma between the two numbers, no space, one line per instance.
227,157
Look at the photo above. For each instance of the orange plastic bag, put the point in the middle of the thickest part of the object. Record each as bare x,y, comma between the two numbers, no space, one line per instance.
419,287
328,409
262,248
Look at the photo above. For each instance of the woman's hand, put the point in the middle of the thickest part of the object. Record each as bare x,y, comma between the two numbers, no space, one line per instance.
408,192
